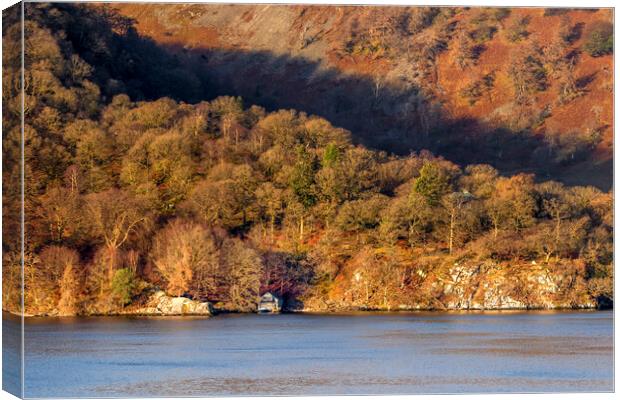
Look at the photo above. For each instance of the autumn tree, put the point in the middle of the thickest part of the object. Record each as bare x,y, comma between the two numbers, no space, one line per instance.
70,286
162,162
187,256
528,73
359,215
115,216
409,217
512,204
271,203
57,274
61,213
226,198
243,269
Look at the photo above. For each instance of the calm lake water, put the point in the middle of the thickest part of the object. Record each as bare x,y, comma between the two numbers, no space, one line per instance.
301,354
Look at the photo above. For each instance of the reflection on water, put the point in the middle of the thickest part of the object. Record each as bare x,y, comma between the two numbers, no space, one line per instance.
295,354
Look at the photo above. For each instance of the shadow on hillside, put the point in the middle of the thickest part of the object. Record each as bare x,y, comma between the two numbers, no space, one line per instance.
397,118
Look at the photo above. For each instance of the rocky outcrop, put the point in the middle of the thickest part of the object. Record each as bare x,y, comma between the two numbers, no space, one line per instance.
467,286
161,304
495,287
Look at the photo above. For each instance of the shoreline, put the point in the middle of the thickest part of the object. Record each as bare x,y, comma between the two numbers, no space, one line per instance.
321,312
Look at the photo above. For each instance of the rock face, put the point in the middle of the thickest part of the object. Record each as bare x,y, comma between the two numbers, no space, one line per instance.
484,286
161,304
492,287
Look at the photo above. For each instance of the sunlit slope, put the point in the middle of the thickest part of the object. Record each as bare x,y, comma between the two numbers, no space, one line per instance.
513,87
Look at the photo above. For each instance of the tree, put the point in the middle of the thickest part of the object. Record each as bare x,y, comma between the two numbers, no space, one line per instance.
226,198
243,266
56,268
186,255
358,215
555,204
528,73
599,39
94,153
280,128
558,204
275,199
346,174
161,161
512,204
302,183
229,112
433,183
408,217
271,204
115,216
479,180
123,285
61,214
70,289
454,203
285,274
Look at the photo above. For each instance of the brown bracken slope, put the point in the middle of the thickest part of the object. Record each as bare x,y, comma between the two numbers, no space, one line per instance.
398,77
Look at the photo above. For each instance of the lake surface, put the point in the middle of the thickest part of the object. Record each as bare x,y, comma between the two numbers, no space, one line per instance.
301,354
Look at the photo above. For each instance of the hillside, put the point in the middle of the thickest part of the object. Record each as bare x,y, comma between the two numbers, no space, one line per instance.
509,87
137,181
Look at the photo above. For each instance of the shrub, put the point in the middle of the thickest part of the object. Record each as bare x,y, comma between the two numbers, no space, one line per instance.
368,46
499,14
123,285
528,74
474,91
517,31
600,39
483,33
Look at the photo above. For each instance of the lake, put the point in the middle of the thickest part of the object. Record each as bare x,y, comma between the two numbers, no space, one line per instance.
306,354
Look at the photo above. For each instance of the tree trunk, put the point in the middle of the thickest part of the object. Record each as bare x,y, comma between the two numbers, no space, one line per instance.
558,221
385,302
451,238
111,262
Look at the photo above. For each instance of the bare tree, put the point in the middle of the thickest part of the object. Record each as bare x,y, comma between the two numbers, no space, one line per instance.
453,203
115,216
186,255
243,267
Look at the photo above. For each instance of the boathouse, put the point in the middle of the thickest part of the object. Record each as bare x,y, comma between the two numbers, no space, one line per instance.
269,303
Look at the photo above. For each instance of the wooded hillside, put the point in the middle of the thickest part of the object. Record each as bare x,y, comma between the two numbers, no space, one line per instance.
129,189
467,83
